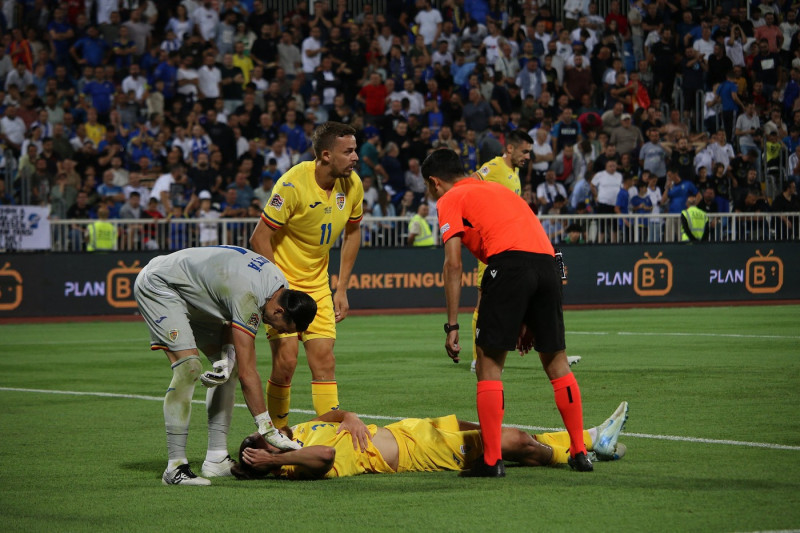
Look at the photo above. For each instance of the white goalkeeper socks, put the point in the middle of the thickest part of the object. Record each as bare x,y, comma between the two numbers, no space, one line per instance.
219,406
178,407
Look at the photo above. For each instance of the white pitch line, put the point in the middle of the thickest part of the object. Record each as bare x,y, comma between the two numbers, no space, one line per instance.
732,335
680,334
143,340
766,445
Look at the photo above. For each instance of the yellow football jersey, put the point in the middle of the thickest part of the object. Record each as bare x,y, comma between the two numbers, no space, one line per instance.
348,462
497,171
424,445
307,222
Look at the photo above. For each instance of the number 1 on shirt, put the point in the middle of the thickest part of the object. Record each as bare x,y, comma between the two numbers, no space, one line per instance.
325,238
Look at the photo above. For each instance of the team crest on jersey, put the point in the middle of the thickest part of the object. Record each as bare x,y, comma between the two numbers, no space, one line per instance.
340,200
276,202
253,322
444,229
173,335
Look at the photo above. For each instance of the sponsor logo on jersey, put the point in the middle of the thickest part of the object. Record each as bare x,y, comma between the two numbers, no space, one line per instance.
253,321
160,319
493,273
288,184
444,229
173,335
315,204
276,202
340,200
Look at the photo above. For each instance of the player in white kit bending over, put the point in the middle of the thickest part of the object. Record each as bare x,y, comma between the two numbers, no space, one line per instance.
214,299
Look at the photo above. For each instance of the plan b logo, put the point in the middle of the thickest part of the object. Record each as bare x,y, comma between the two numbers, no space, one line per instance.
652,276
119,284
10,288
764,273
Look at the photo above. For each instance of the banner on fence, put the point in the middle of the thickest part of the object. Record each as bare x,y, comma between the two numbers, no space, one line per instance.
75,284
24,227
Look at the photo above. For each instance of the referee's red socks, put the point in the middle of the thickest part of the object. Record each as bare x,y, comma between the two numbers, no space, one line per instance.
568,401
491,409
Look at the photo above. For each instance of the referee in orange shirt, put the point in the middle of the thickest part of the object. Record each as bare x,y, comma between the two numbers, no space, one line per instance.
521,303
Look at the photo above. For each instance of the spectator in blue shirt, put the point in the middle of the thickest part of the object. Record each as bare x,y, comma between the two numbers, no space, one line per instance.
295,137
101,92
60,33
621,207
727,92
90,50
678,191
167,71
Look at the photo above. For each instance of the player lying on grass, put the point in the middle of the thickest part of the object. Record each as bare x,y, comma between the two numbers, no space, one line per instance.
338,444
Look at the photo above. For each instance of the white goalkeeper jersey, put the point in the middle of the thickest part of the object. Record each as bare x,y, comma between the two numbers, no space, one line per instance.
225,283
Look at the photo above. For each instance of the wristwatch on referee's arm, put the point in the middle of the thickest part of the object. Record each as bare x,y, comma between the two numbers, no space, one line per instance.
450,327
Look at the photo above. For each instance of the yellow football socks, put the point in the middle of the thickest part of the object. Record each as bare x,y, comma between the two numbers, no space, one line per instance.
278,398
325,396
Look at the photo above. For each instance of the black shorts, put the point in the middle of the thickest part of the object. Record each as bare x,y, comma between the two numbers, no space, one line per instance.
521,287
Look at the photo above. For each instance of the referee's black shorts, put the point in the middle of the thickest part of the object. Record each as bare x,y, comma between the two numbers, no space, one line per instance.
521,287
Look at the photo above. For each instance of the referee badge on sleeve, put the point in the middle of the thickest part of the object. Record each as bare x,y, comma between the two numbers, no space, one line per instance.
444,229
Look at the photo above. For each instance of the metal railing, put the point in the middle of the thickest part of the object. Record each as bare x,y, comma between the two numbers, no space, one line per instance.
392,232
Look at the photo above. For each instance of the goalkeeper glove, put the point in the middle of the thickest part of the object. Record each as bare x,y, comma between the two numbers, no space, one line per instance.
220,374
272,435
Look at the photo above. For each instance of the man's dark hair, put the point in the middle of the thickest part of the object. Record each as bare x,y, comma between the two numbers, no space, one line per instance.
444,163
326,135
516,137
242,470
300,308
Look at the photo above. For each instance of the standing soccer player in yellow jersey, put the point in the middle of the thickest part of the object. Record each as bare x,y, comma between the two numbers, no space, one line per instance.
310,207
503,169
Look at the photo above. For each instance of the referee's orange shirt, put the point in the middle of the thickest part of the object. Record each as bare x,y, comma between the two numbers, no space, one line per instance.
490,219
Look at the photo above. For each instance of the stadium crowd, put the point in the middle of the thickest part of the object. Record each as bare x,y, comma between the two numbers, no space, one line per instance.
193,109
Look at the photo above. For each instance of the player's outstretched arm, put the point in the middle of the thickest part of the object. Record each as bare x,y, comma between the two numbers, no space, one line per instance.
260,241
350,246
252,390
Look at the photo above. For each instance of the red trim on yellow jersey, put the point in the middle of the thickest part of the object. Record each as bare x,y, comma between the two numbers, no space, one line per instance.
354,220
243,328
272,223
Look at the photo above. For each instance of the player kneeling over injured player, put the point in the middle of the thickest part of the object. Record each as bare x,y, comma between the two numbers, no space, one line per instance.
339,444
214,299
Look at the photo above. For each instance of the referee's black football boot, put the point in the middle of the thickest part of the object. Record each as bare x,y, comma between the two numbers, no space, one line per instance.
580,462
481,469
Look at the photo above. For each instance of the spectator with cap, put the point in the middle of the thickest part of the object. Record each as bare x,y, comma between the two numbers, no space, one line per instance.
626,136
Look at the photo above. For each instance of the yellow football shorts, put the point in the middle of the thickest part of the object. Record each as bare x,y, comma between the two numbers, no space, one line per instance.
322,327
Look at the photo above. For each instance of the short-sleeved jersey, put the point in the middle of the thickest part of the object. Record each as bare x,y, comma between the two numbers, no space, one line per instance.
307,221
424,445
348,462
497,171
224,283
491,219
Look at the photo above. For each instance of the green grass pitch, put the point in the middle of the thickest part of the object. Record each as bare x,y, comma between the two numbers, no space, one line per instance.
713,436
